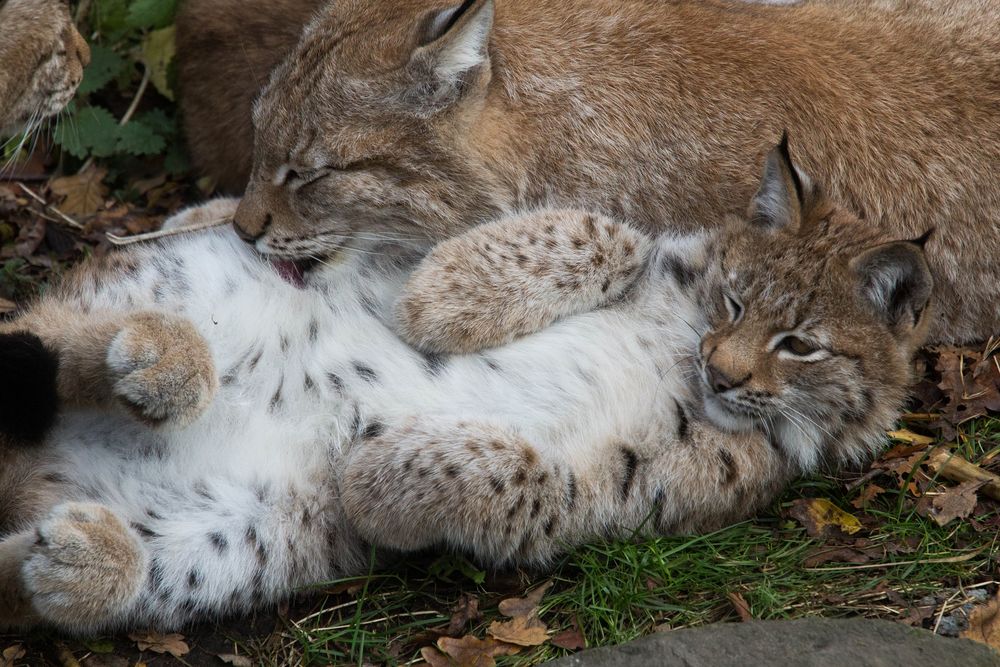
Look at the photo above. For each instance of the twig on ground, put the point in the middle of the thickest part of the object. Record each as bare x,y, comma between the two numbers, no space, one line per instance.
150,236
65,218
952,466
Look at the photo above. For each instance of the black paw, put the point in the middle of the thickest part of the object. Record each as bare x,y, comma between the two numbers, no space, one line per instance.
28,397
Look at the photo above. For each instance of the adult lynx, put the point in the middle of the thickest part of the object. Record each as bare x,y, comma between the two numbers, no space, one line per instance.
414,116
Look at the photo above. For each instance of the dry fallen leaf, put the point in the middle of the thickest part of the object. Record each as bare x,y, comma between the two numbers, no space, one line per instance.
970,381
466,652
7,306
157,643
466,611
984,624
82,194
824,555
236,660
956,502
11,654
571,639
821,518
741,606
521,630
866,496
525,606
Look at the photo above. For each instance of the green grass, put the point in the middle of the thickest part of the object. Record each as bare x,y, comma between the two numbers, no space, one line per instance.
619,591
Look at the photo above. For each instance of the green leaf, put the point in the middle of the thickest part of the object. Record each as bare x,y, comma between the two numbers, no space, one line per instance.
104,66
137,138
145,14
109,18
160,121
67,136
100,645
90,131
157,52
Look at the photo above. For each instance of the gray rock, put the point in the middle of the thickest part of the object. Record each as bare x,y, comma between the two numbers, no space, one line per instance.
801,643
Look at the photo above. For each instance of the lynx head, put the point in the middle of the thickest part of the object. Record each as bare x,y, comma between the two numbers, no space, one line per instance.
42,57
813,320
360,128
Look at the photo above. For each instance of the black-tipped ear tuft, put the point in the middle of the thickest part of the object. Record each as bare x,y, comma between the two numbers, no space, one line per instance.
28,394
922,240
781,198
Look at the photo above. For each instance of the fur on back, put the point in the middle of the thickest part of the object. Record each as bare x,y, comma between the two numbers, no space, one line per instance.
42,57
655,112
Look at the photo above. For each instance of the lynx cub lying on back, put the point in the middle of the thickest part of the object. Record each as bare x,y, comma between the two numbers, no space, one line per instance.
718,368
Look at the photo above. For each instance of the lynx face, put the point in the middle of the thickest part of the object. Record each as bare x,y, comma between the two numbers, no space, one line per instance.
812,320
42,58
358,119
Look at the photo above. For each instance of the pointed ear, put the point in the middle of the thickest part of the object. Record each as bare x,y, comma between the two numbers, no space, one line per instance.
455,47
895,280
781,198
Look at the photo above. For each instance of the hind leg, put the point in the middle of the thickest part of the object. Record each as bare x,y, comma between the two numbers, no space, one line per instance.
82,569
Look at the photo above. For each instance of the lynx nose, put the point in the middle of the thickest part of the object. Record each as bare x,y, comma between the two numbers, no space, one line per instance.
719,381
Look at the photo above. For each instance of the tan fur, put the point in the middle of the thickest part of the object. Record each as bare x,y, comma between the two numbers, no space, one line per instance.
502,280
801,262
155,364
649,111
81,565
226,50
42,57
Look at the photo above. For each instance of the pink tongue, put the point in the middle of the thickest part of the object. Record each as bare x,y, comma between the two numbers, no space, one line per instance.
289,271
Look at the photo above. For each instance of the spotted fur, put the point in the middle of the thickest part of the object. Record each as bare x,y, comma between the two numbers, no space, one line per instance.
328,433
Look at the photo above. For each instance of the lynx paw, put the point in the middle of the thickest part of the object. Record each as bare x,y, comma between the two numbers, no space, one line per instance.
85,568
161,369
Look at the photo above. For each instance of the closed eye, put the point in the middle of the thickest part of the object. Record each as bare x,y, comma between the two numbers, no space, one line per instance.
735,309
799,348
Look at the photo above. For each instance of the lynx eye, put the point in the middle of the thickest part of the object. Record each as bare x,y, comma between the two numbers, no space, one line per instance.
735,309
796,346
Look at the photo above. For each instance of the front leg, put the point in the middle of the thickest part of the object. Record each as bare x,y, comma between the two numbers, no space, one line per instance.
155,364
516,276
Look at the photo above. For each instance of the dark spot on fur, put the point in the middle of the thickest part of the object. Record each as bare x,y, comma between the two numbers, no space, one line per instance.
682,273
55,478
550,525
451,470
434,362
631,462
284,343
29,399
605,285
492,365
497,484
536,507
335,381
364,372
194,579
219,541
308,383
256,359
373,429
571,491
313,330
683,425
143,530
516,507
728,467
520,476
153,514
276,399
408,464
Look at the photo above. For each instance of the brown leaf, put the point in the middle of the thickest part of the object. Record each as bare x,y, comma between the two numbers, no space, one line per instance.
236,660
956,502
866,496
984,624
82,194
29,237
157,643
571,639
7,306
464,612
821,518
466,652
521,630
741,606
526,606
11,654
971,384
824,555
916,616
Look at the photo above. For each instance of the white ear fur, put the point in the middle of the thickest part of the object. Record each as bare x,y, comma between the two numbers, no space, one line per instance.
779,201
461,39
